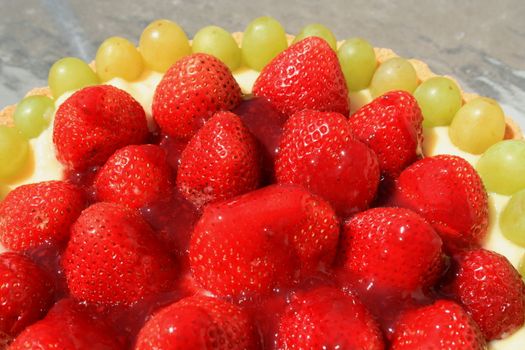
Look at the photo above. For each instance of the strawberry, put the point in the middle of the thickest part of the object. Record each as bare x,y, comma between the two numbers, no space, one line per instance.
307,75
442,325
198,322
319,151
326,318
250,244
391,125
26,293
134,176
393,248
491,290
190,92
447,191
34,214
67,326
95,122
221,161
113,257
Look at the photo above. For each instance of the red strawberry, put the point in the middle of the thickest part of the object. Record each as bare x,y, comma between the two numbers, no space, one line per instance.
67,326
26,292
221,161
113,257
319,151
198,322
191,91
391,126
326,318
134,176
442,325
42,212
95,122
394,249
250,244
491,290
448,192
307,75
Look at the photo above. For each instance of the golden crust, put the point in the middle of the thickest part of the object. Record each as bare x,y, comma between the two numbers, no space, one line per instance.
512,130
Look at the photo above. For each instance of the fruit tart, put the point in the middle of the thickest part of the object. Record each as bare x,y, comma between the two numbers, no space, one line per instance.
259,191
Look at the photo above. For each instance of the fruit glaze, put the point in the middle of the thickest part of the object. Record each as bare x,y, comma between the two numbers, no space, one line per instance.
258,191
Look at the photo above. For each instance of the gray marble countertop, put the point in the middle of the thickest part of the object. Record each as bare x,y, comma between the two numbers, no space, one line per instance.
481,43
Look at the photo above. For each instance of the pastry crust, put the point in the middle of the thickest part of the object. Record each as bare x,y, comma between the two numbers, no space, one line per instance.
512,130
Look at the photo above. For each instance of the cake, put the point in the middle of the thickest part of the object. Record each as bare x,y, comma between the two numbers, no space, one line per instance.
218,223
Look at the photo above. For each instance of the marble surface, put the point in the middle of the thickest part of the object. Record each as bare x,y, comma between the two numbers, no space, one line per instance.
481,43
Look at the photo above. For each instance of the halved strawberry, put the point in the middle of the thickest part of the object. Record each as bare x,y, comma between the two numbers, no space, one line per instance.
39,213
113,257
491,290
68,326
442,325
448,192
26,293
319,151
134,176
95,122
191,91
198,322
391,125
327,318
392,249
221,161
250,244
307,75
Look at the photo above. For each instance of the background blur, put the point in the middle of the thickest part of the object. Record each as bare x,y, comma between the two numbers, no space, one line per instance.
481,43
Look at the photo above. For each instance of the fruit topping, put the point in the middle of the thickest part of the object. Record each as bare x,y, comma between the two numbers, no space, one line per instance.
491,290
32,115
318,30
319,151
358,63
118,58
217,42
69,74
221,161
477,125
307,75
391,126
262,240
14,152
449,194
95,122
439,99
114,257
442,325
393,74
39,213
198,322
26,293
326,318
162,43
512,219
502,167
134,176
263,39
191,91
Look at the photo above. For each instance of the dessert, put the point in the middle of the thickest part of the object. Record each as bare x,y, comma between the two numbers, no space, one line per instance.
181,203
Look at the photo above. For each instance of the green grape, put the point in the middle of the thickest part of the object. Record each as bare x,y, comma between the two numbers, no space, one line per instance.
358,62
521,267
502,167
318,30
70,73
263,39
439,99
477,125
33,114
14,151
216,41
4,190
512,219
118,57
162,43
393,74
